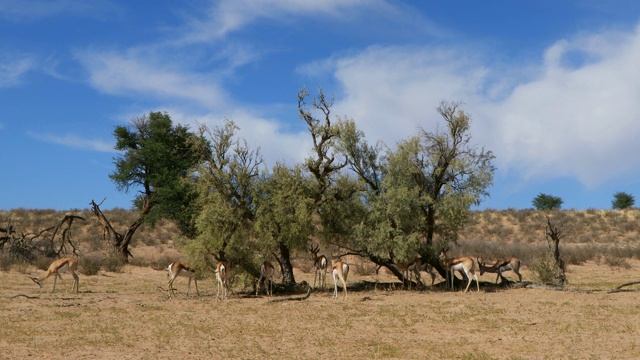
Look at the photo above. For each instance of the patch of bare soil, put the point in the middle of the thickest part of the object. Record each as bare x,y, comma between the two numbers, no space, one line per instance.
127,316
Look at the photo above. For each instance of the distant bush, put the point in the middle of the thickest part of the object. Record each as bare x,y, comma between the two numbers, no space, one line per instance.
617,262
112,263
622,200
43,262
156,263
6,261
544,269
364,268
547,202
89,265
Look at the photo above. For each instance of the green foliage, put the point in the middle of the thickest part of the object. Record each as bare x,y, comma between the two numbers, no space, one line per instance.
421,190
544,268
156,157
622,200
226,184
284,209
547,202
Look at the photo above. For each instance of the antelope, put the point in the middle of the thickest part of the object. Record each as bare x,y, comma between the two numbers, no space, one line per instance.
340,272
408,269
501,266
222,273
176,269
66,264
465,265
320,266
426,267
266,272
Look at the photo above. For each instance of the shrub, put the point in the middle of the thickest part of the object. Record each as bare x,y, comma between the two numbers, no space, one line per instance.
364,268
622,200
89,265
6,261
156,263
547,202
42,262
112,263
545,270
614,261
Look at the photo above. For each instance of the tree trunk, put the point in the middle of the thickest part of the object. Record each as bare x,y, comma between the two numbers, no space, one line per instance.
120,242
284,258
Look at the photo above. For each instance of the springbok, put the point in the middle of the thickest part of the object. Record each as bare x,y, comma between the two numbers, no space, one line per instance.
266,272
340,272
320,266
222,275
465,265
501,266
61,265
176,269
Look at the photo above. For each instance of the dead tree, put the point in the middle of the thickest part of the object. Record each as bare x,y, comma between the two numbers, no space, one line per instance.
553,234
43,242
119,242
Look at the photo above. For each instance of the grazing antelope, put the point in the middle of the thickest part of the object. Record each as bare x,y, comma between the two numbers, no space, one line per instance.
66,264
266,272
465,265
426,267
408,269
320,266
222,273
176,269
340,272
501,266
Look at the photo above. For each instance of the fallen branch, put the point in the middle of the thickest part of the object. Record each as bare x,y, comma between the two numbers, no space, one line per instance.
27,296
619,288
294,298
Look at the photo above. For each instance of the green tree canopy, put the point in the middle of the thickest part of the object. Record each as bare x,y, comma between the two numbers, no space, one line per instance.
226,183
547,202
422,189
155,157
622,200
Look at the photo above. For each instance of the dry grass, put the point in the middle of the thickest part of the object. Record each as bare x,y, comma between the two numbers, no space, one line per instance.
121,313
124,315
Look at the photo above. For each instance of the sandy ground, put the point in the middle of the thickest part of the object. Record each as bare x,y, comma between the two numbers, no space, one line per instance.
125,316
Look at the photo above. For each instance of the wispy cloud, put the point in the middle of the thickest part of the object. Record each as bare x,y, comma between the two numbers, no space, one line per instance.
13,69
226,16
74,141
120,74
34,10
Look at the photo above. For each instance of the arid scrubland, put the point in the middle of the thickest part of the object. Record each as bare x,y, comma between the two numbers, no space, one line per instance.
123,311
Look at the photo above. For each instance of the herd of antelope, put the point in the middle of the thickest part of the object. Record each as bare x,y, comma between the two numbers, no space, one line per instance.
465,265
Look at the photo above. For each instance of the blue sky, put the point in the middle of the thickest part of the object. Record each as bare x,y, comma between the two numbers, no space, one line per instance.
553,87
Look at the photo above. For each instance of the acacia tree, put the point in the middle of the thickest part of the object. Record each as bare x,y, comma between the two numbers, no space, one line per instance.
155,157
422,190
622,200
290,197
226,182
284,215
547,202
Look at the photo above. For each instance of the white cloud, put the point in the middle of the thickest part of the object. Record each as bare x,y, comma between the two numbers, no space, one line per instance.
74,141
275,141
226,16
576,120
578,117
119,74
391,91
